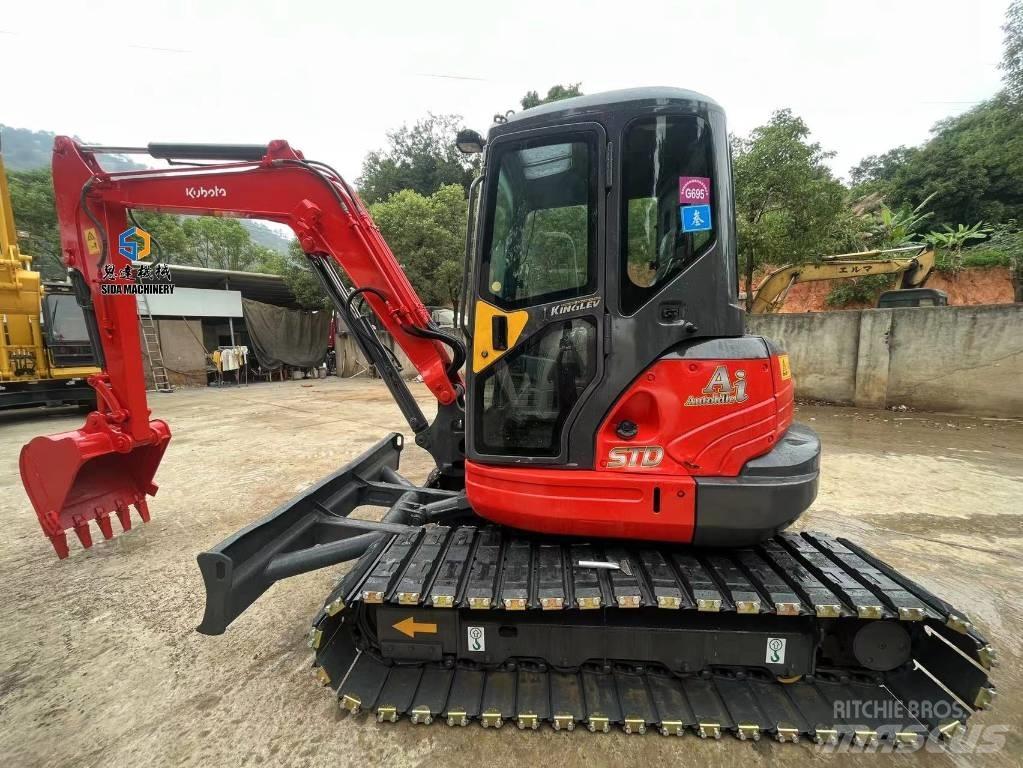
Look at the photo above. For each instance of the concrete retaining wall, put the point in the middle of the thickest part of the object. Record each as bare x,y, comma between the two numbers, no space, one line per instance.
957,359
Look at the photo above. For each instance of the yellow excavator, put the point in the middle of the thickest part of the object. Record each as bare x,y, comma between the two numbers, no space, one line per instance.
914,263
45,352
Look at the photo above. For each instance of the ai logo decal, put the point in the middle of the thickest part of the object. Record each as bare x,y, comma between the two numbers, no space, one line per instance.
721,390
477,639
775,650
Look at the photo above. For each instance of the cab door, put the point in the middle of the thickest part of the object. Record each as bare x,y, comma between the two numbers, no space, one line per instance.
538,294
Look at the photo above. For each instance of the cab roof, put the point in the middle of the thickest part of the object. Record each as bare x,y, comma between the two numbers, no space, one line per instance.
610,101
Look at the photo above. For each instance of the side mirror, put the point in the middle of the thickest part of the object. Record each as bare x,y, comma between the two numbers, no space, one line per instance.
469,142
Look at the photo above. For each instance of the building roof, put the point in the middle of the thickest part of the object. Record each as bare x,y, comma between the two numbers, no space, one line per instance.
270,289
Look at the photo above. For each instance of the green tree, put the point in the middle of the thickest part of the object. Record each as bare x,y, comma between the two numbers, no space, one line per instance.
422,158
554,93
1012,57
218,243
35,219
294,267
427,236
789,208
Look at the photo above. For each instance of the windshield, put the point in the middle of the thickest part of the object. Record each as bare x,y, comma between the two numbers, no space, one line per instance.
64,319
541,243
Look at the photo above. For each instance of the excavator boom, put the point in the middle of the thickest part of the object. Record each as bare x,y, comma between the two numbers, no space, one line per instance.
915,266
80,476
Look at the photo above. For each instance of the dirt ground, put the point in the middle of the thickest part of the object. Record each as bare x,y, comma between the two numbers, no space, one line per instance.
100,664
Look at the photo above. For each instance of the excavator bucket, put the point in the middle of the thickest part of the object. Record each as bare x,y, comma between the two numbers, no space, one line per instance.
75,477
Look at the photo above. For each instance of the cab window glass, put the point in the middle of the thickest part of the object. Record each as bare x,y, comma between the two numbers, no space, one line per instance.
541,243
669,217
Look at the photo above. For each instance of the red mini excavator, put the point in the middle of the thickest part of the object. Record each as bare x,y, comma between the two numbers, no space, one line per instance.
601,542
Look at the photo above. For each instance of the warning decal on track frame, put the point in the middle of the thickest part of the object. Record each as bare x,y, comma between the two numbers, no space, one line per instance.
775,650
477,639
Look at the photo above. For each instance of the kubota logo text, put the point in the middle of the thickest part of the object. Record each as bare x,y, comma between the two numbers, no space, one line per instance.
197,193
634,456
134,243
722,390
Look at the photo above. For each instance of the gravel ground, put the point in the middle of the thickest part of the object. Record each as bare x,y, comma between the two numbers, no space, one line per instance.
100,663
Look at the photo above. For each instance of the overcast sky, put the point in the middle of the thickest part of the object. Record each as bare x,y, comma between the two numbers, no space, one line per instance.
334,77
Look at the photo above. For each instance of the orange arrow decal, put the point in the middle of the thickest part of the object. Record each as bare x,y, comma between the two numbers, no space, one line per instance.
410,626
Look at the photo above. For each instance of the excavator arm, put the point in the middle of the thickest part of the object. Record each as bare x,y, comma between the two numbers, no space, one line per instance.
914,267
80,476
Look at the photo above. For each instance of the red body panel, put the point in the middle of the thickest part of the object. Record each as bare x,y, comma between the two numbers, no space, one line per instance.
644,487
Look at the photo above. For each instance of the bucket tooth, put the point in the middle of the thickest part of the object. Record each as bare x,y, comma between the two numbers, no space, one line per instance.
457,717
911,614
321,675
564,722
528,720
515,603
552,603
786,609
672,728
387,714
124,516
710,605
634,725
143,509
589,603
670,602
748,731
59,542
421,715
105,527
83,533
828,610
479,603
598,723
443,601
408,598
372,596
709,730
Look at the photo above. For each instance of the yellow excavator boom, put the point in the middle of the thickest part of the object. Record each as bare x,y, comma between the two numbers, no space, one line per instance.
915,266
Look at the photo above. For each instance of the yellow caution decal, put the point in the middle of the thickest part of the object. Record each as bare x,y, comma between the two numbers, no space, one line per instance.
783,364
92,242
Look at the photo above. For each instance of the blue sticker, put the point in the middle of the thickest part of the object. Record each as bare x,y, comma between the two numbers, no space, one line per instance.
695,218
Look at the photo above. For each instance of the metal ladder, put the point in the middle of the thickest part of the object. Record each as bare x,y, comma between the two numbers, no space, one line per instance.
151,343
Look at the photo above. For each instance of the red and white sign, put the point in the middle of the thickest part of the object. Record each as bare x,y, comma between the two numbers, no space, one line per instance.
693,190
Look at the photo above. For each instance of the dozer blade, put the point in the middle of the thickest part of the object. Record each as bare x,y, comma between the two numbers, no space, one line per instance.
75,477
